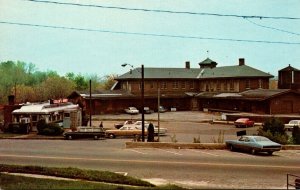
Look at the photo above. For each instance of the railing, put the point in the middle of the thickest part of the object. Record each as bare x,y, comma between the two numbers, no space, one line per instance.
292,181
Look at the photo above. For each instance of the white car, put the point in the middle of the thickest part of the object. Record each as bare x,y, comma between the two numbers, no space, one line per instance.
138,124
292,124
132,110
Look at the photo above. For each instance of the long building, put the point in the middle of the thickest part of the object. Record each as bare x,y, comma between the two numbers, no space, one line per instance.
237,88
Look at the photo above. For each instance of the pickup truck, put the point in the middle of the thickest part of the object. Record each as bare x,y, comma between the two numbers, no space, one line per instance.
85,132
292,124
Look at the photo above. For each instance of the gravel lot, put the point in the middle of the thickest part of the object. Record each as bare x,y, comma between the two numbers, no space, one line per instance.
183,126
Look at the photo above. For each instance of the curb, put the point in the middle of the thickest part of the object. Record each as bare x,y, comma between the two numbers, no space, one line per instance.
215,146
175,145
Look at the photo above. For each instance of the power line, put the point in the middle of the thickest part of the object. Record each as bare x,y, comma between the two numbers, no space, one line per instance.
162,11
272,28
147,34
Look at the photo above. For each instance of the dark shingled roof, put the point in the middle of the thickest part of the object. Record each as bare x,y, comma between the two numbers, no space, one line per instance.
207,61
257,94
195,73
289,68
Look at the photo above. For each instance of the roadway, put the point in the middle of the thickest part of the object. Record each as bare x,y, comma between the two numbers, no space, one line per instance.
188,168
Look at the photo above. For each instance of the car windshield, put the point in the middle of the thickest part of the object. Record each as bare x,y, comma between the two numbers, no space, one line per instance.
261,139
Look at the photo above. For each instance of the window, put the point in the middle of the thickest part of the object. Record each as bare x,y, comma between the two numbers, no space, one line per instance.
231,85
247,84
183,84
163,85
151,85
192,85
260,83
34,117
175,84
218,86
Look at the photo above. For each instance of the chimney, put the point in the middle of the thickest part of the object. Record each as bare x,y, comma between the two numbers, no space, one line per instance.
241,61
187,65
11,100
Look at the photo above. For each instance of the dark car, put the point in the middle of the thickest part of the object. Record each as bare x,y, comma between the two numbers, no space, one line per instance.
147,110
162,109
85,132
254,144
244,122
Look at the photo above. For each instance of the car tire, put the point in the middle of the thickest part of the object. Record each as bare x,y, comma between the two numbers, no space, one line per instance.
253,151
96,137
232,148
111,136
270,153
69,137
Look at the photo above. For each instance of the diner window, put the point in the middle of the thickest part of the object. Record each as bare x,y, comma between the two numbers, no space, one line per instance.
34,117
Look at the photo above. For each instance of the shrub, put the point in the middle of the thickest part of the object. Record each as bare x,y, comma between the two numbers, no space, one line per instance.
296,135
173,138
220,137
41,125
197,140
51,129
273,129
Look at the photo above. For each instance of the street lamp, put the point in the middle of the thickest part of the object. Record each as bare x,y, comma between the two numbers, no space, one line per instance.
142,99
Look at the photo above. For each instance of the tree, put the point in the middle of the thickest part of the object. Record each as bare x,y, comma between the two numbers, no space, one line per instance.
24,93
109,82
273,129
57,87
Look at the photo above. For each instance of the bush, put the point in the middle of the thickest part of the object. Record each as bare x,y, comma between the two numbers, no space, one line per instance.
273,129
51,129
296,135
41,125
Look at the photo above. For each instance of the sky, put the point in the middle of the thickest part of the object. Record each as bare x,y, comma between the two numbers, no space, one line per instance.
118,36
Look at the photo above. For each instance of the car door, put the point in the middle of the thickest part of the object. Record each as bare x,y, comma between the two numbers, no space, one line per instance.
248,144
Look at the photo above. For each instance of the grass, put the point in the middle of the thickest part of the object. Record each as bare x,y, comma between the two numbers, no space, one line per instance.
5,135
75,173
91,176
19,182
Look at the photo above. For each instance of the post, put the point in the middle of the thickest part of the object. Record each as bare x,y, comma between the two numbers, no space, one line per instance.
158,112
90,103
143,116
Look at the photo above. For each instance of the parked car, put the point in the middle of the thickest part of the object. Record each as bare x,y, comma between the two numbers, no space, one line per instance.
253,144
125,131
162,109
292,124
147,110
138,125
131,110
244,122
85,132
119,125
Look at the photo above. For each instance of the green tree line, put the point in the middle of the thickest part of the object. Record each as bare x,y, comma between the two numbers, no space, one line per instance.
31,85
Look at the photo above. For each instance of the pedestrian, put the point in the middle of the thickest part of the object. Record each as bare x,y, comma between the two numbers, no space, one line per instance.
101,125
150,133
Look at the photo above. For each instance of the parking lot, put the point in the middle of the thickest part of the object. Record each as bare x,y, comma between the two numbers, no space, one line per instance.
184,126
